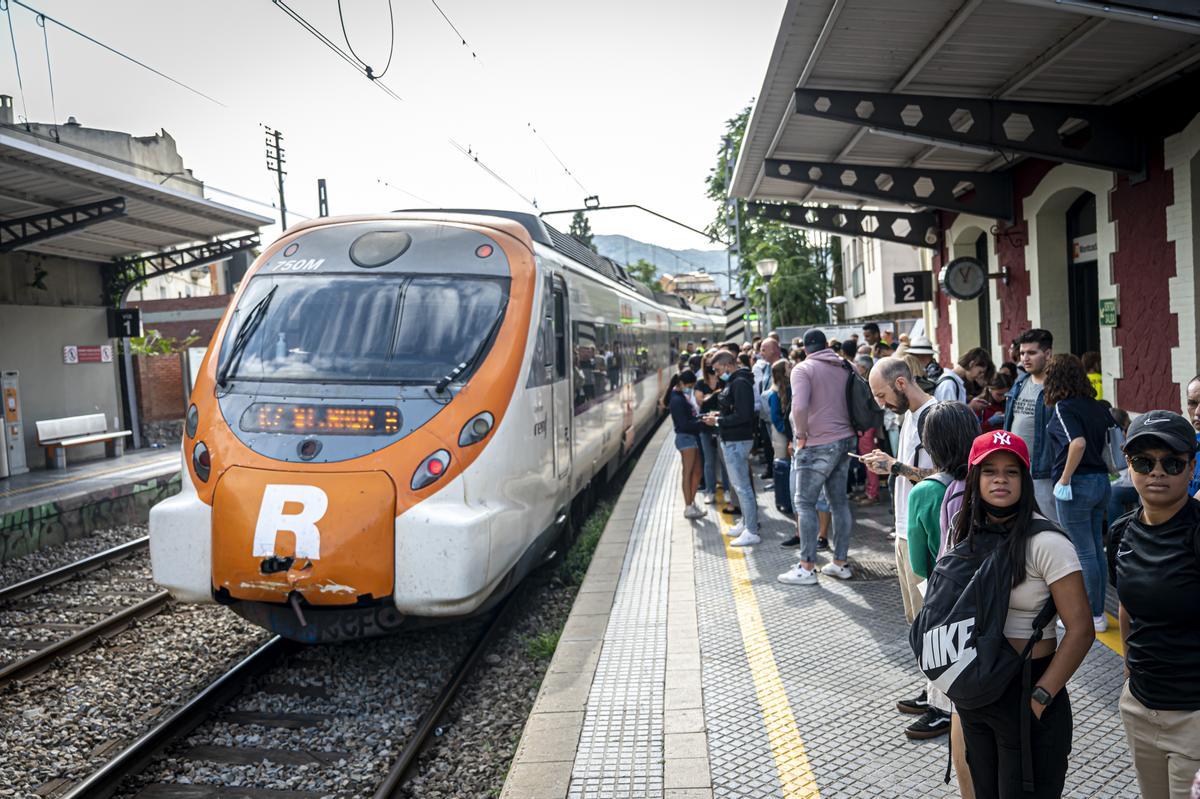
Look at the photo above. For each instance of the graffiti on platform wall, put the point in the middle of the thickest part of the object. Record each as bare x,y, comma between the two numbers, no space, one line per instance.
29,529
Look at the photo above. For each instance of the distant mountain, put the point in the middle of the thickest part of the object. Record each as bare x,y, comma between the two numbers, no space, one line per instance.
625,250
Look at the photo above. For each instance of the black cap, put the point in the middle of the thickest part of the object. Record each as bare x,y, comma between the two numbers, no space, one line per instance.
815,341
1169,429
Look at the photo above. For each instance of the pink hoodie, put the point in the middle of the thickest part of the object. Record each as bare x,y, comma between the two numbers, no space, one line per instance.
819,398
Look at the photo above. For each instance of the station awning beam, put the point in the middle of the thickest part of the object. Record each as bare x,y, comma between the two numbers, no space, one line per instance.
988,194
123,273
1091,135
26,230
918,228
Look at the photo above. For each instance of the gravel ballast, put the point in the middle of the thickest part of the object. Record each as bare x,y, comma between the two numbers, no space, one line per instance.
43,560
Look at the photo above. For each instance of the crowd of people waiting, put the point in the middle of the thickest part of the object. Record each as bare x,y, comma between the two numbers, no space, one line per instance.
1027,455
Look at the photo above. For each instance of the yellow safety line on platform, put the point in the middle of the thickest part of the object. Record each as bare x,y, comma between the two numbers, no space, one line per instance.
76,478
1111,638
787,747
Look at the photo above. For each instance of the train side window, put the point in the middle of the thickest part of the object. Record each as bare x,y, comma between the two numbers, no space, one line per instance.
560,330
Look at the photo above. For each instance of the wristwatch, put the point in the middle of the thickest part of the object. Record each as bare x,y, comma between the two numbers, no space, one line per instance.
894,469
1041,695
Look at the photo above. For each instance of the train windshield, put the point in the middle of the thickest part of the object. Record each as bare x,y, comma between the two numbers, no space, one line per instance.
352,329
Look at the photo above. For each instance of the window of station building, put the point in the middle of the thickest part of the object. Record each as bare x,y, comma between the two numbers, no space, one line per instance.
859,281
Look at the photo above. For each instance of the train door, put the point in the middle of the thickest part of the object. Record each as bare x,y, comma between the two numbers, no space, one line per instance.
562,412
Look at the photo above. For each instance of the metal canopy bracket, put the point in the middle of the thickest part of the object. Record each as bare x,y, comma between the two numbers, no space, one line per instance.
1091,135
27,230
123,273
918,228
988,194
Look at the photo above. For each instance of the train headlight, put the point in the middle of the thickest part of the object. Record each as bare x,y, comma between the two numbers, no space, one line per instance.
192,421
476,429
431,469
201,461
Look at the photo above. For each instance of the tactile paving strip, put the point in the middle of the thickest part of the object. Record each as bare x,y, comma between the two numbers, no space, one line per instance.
842,651
621,746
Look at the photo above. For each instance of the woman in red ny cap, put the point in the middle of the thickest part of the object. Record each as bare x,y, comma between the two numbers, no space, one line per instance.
999,498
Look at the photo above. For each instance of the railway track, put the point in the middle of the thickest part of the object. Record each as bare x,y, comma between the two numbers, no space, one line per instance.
34,611
277,673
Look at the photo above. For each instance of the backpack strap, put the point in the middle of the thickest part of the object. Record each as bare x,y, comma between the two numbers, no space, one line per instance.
1040,525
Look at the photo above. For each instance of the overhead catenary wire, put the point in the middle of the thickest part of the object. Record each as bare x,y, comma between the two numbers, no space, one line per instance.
41,20
550,150
110,49
16,58
416,197
391,41
457,32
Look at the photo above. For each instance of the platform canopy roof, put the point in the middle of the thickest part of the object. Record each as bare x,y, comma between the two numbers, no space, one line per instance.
41,181
833,58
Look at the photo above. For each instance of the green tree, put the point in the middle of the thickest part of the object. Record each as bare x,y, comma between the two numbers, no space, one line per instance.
806,260
582,230
645,272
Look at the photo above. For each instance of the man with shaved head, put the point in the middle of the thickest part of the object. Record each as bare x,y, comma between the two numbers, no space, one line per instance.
894,388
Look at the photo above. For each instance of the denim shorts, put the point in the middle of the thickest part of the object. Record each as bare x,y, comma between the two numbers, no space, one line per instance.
686,441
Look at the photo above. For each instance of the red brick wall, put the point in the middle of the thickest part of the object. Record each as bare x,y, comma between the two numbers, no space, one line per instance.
1142,265
159,387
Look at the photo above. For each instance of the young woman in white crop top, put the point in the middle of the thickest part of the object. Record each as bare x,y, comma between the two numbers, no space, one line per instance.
999,497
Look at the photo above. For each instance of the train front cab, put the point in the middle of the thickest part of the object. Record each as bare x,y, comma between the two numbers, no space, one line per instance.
327,495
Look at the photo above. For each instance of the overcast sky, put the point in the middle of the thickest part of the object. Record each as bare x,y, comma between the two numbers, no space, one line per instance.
632,95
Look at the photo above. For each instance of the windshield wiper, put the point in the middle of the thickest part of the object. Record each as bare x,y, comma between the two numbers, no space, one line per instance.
253,319
442,384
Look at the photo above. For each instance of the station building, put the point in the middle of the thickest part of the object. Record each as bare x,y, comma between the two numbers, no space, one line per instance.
1056,144
86,217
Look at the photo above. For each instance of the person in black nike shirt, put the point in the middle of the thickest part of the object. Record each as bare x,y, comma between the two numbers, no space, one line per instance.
1154,560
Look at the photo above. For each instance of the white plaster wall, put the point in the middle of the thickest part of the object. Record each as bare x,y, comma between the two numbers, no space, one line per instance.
1182,156
1045,257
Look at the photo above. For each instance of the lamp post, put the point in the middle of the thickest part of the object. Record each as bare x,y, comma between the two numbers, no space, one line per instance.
766,269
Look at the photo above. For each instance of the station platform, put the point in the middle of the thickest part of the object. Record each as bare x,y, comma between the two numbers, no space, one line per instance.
686,671
45,507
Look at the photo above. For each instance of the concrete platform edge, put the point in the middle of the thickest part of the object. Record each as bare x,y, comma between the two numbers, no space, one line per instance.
541,767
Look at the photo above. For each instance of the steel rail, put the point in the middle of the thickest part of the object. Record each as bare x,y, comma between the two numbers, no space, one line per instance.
67,572
43,658
390,787
107,779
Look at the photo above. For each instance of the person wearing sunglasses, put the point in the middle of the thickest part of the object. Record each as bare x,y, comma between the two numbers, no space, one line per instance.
1154,561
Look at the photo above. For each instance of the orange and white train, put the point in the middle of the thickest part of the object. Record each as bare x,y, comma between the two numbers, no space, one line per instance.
399,415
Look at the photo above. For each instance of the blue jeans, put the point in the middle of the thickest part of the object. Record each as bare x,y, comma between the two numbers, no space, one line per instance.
823,466
1122,500
712,462
737,456
1083,520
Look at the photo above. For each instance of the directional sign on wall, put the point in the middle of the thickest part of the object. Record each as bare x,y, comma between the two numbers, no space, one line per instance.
912,287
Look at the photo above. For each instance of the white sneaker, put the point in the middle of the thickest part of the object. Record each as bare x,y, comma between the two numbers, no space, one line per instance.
736,530
710,499
1100,623
746,539
834,570
768,485
692,512
798,575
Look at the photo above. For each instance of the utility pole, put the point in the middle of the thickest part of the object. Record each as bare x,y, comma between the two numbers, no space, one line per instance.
733,218
322,198
275,162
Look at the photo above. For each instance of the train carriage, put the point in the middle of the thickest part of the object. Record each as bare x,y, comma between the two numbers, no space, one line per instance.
398,415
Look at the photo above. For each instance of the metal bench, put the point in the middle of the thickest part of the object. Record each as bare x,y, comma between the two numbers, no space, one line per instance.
56,435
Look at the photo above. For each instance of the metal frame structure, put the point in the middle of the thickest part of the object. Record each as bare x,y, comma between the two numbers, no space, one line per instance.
1090,135
988,194
918,228
26,230
124,273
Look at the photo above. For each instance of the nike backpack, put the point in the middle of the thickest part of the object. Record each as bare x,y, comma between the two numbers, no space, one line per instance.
958,635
